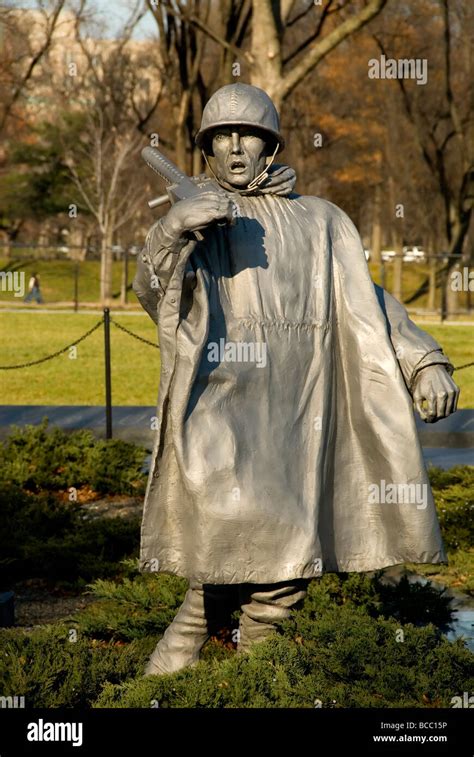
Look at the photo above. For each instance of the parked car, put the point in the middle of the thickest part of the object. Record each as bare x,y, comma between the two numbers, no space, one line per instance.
413,254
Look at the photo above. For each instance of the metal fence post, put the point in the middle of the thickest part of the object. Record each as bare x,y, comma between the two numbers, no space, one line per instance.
124,288
108,376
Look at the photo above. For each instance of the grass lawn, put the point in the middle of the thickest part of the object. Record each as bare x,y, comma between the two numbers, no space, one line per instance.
80,381
458,343
135,366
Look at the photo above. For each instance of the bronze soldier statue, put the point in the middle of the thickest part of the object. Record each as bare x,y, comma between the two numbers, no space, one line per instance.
286,397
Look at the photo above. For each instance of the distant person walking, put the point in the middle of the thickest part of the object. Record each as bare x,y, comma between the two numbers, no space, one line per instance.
34,291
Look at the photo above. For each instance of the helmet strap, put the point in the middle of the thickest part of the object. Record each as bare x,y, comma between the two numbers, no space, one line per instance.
255,182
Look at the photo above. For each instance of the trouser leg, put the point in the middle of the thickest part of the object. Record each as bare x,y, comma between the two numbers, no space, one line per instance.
263,605
205,607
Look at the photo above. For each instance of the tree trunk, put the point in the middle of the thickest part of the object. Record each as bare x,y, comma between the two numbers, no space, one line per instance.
266,70
106,269
452,294
197,161
432,265
182,135
397,243
124,285
268,27
397,289
376,242
181,145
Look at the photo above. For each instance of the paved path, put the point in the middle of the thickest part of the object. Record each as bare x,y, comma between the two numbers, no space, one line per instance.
443,457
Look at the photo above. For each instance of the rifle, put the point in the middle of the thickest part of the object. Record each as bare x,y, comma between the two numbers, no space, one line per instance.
181,187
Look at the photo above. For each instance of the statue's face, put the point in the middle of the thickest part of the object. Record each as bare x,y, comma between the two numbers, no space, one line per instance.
239,153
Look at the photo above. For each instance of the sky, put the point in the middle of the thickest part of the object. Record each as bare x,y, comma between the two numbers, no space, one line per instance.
116,12
113,12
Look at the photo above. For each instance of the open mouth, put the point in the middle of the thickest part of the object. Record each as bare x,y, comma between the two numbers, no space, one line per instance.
237,166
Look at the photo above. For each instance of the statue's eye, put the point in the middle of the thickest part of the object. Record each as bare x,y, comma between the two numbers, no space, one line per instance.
221,136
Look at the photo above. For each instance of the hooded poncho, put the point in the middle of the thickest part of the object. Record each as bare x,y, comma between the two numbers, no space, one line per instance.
285,421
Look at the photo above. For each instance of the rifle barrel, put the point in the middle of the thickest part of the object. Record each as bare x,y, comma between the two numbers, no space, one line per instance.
158,201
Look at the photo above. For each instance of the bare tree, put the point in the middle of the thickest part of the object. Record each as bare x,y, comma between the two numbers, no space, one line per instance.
442,124
22,52
181,47
116,108
101,167
279,72
201,41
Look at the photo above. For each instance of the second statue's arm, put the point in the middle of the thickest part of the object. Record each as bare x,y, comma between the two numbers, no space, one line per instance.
426,370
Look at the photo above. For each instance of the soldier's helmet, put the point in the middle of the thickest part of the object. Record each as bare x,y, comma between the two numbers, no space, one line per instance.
240,105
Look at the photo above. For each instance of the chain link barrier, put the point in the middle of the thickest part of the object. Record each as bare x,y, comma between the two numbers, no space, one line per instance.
135,336
54,354
127,331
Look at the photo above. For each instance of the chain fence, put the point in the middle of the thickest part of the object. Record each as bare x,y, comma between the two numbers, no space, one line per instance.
106,320
75,343
135,336
123,328
54,354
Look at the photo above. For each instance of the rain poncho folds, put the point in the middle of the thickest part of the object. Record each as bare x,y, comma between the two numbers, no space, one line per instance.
267,457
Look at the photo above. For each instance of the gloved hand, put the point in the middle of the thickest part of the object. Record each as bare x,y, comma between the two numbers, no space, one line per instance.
435,387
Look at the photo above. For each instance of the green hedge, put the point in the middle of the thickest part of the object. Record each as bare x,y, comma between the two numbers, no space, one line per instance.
340,649
51,669
357,641
43,534
39,457
345,659
42,537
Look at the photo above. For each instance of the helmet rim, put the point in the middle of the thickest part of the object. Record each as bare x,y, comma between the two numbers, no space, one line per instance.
202,134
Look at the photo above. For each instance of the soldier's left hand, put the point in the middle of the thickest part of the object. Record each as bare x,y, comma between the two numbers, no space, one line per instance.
435,394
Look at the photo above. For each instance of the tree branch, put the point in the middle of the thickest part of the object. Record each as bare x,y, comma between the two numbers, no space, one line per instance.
312,36
453,111
318,50
192,19
286,6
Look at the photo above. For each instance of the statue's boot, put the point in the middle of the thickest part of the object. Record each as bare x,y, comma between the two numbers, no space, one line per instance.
263,605
197,618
